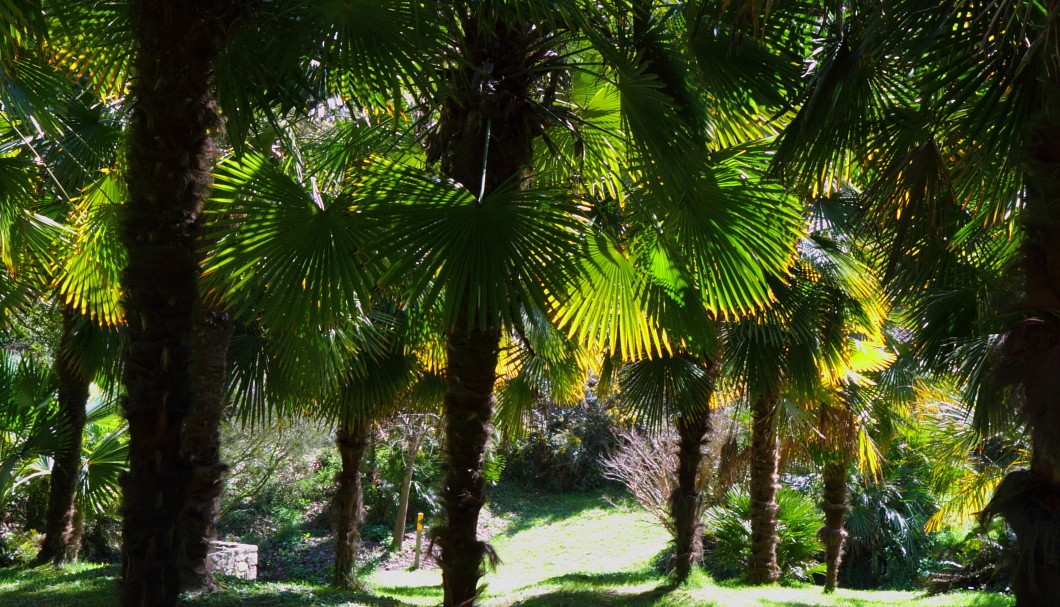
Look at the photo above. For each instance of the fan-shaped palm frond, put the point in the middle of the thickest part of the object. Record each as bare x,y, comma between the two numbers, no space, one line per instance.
656,388
297,256
30,423
493,256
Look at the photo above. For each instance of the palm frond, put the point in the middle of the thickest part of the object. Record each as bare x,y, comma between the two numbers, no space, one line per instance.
492,256
657,387
294,256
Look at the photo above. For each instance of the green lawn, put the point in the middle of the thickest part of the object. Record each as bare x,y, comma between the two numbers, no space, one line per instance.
561,551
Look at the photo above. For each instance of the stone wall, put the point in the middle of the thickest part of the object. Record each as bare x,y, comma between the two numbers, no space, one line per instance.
236,560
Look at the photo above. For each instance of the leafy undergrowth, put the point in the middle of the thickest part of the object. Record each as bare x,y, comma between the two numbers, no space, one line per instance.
568,550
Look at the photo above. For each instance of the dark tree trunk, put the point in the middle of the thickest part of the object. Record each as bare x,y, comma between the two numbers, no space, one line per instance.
835,506
1030,361
348,504
762,567
468,407
686,501
406,488
62,535
169,159
493,106
201,448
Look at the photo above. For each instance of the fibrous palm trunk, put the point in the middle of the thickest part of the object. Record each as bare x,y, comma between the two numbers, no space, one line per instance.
835,506
201,448
686,501
169,160
62,535
762,567
348,504
483,140
1030,360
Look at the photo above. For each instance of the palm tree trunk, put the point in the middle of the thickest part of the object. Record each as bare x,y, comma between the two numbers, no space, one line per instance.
201,448
1030,499
169,160
835,506
484,139
406,488
686,501
762,567
468,408
348,504
62,535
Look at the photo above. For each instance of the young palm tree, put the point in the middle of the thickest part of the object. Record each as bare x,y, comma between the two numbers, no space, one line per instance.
795,349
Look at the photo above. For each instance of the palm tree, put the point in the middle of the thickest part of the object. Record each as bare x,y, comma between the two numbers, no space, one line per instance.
795,349
56,246
678,386
170,155
952,116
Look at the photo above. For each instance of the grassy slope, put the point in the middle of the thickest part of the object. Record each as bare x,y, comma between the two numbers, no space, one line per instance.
556,551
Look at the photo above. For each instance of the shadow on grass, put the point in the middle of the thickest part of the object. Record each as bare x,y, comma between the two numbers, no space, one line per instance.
603,598
49,587
412,591
524,509
295,598
610,578
979,600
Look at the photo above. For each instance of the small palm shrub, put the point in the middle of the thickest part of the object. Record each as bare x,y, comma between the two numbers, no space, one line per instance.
728,535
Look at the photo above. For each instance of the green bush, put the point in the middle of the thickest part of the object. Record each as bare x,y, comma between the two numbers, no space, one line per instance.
563,449
386,471
887,546
984,560
18,547
728,535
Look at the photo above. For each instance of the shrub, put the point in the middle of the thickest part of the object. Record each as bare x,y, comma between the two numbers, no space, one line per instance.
983,560
886,543
728,531
18,547
563,449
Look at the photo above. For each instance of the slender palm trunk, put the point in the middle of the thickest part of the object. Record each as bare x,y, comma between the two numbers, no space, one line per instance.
170,155
62,535
348,504
201,448
686,501
1030,499
406,488
483,140
762,567
835,506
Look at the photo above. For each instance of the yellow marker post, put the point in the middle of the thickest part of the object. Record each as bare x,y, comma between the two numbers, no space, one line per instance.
419,541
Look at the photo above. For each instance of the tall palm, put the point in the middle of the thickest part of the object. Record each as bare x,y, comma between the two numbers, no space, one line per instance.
959,127
170,155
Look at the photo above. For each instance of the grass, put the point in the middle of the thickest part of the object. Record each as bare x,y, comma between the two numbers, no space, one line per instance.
570,550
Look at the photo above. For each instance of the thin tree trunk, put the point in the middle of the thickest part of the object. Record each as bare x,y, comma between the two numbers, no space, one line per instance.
406,488
762,567
348,504
686,501
201,448
169,160
62,535
835,506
